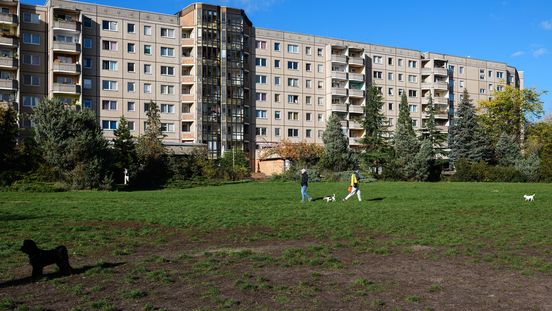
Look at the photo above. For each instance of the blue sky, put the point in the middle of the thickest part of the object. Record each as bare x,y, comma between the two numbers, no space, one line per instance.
515,32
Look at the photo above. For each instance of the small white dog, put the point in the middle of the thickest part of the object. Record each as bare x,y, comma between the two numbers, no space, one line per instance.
330,198
529,198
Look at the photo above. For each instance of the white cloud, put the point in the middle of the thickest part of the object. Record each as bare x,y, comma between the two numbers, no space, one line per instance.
539,52
546,25
518,53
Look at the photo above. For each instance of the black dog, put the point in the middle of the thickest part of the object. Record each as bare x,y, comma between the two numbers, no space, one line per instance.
40,258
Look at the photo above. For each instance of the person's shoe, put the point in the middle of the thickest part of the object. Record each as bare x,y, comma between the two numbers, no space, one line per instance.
343,200
310,199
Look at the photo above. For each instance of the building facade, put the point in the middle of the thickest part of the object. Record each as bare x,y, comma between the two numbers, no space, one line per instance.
219,81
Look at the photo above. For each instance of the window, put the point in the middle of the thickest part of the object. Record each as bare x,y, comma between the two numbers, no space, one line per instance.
30,101
147,69
412,78
390,91
167,89
131,48
276,46
109,105
293,82
320,68
147,88
167,32
292,48
277,131
260,62
87,43
186,127
481,91
490,74
109,85
481,74
31,38
167,71
131,106
499,75
109,25
378,60
131,87
277,80
277,115
460,69
400,77
499,88
294,116
293,132
260,79
131,28
308,50
31,18
87,103
320,117
147,30
308,84
259,96
400,62
130,125
293,99
31,80
308,100
414,123
131,67
308,133
390,61
167,52
276,98
320,101
147,49
87,83
276,63
87,63
87,22
109,125
319,51
461,84
401,91
293,65
390,76
167,108
308,116
320,133
167,127
31,59
491,88
378,74
412,64
260,131
390,106
320,84
109,45
412,93
412,108
308,67
260,44
110,65
260,114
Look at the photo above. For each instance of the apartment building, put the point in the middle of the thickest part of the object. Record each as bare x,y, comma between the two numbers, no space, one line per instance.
219,81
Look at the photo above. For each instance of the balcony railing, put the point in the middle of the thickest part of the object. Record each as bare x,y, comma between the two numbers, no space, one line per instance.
356,141
356,61
187,116
67,67
440,85
339,107
355,125
8,62
67,25
339,91
356,76
356,109
8,18
356,93
344,123
339,58
9,84
440,71
339,75
66,88
66,46
187,42
187,60
8,41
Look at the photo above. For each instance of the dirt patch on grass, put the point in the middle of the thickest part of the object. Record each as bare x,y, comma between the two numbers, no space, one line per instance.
226,269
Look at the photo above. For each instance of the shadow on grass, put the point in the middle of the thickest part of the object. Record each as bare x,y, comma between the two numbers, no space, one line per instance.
10,217
55,275
376,199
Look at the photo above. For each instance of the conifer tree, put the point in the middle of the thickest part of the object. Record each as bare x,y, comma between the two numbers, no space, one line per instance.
336,147
405,141
507,150
431,131
375,141
125,149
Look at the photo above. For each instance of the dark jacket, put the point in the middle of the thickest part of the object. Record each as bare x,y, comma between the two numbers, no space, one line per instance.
305,179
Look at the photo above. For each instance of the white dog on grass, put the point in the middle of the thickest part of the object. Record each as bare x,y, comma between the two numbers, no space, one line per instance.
529,198
330,198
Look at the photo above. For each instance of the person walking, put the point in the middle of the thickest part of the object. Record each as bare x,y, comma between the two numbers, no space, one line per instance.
354,186
304,186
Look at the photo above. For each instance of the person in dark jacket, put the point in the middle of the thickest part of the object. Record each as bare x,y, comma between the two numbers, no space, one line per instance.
304,186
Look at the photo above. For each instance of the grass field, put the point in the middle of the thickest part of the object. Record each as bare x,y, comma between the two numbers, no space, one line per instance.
406,246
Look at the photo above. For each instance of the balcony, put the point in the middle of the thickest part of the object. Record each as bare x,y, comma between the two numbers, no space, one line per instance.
187,136
356,93
66,88
8,62
339,75
67,68
356,109
339,107
187,42
187,79
440,71
8,84
355,141
343,123
8,18
8,41
339,91
339,59
187,97
440,85
354,125
356,61
67,25
9,2
187,60
356,77
67,47
187,116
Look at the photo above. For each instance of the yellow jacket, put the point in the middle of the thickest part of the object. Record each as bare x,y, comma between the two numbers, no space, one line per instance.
354,180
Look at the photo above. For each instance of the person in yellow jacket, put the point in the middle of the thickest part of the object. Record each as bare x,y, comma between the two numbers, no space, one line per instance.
354,185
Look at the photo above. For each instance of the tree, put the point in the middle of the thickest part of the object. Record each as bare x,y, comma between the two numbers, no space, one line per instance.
72,143
124,150
234,164
468,140
430,131
8,136
424,161
507,150
375,140
539,141
336,148
510,111
406,144
302,152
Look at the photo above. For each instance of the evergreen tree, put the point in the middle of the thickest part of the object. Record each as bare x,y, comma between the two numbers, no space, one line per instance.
336,147
406,144
430,131
507,150
424,161
375,141
468,140
8,136
124,149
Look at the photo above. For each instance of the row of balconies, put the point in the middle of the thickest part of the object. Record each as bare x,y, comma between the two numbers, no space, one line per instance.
9,41
67,25
66,88
435,70
8,62
351,124
347,76
67,47
8,84
351,60
351,108
438,85
347,92
8,18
